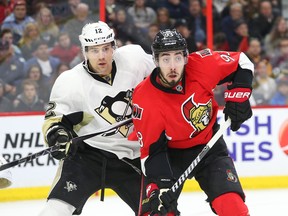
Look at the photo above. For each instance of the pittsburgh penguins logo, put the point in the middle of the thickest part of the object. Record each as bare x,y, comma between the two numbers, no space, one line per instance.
116,109
198,115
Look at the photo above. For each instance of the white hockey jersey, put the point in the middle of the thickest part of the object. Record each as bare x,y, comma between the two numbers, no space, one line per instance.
102,104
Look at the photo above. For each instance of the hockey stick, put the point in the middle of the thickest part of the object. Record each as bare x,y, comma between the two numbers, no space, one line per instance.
195,162
57,146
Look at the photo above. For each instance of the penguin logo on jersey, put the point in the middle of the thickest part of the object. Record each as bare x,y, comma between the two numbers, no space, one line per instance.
116,109
198,115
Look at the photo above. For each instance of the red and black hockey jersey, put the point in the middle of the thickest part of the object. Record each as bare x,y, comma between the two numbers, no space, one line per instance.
186,113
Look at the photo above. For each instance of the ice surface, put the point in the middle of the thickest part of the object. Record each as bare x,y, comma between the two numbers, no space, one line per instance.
260,203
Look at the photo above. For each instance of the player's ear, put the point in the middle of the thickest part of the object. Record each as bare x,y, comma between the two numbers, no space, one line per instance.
155,59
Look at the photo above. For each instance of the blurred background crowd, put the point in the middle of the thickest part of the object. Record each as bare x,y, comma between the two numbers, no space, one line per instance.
39,40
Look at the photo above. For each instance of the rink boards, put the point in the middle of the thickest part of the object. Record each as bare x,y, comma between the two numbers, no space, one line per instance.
259,149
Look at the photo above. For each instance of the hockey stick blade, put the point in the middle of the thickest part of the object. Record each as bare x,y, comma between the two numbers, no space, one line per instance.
195,162
56,147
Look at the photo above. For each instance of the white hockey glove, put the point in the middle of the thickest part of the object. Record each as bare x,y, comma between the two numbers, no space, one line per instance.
5,175
58,134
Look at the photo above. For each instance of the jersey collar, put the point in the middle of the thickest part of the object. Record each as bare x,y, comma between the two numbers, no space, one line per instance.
99,78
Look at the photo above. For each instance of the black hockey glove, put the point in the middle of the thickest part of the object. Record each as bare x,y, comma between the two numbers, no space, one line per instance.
237,105
162,201
60,135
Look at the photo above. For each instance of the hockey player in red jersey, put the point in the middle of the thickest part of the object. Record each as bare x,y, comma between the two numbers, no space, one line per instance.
175,115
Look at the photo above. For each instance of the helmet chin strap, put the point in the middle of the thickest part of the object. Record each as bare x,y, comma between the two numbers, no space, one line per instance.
86,66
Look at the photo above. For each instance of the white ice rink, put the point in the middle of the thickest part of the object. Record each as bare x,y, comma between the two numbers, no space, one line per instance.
260,202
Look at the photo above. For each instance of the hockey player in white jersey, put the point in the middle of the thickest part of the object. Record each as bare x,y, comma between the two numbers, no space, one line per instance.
93,95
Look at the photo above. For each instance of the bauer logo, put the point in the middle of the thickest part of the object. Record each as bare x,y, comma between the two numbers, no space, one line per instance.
283,137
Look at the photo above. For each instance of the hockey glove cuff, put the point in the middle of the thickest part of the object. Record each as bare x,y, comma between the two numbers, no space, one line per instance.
237,105
59,135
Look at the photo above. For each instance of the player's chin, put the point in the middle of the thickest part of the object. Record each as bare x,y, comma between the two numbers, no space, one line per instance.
172,83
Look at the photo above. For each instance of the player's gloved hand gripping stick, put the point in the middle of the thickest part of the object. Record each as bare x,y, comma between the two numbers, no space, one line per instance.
166,197
58,146
237,106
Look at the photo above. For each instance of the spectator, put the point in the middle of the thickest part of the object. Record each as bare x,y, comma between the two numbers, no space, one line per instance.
251,9
62,68
49,31
277,7
125,29
73,6
142,16
197,23
31,35
256,54
35,73
163,18
5,9
60,9
264,86
227,8
29,99
228,22
5,103
74,25
240,40
278,31
64,49
182,27
262,25
42,58
11,68
17,20
30,6
177,9
281,95
7,35
152,31
33,6
220,42
110,12
280,60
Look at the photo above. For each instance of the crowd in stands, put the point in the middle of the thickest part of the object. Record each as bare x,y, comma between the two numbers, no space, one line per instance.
39,40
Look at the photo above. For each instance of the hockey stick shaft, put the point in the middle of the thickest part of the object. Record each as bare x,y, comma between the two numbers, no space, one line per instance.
195,162
57,146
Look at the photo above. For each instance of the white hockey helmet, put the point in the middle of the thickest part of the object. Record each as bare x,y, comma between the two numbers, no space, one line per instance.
95,34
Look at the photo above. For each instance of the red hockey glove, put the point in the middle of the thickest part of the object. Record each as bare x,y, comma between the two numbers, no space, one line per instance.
59,134
237,105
